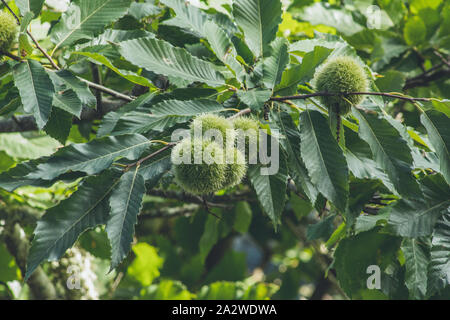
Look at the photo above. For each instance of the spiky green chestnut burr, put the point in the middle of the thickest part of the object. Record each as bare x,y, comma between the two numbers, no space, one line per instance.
8,31
236,167
247,124
340,75
203,177
248,128
213,122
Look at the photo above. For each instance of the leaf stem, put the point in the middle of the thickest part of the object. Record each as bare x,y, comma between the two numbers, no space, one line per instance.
240,113
159,141
10,55
140,161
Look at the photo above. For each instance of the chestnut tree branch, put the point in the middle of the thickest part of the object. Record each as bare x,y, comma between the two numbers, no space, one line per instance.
54,65
321,94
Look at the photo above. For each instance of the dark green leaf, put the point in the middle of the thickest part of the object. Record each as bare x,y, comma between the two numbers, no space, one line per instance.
125,203
270,189
275,63
164,115
223,47
86,18
297,74
254,98
259,20
152,170
391,152
416,252
59,124
33,6
36,90
292,144
91,157
355,254
322,229
439,269
438,127
80,88
161,57
69,102
61,226
243,217
142,10
188,16
417,217
324,158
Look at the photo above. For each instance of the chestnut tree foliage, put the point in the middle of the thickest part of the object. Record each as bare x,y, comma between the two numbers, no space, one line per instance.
90,95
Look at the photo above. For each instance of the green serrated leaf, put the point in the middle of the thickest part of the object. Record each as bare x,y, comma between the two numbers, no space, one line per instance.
61,226
188,16
259,19
69,102
142,10
298,170
439,268
324,158
355,254
164,115
270,189
368,222
390,151
19,147
223,47
152,170
85,19
297,74
129,75
438,128
91,157
322,229
255,98
125,203
58,126
161,57
32,6
417,217
109,121
416,252
359,160
14,177
36,90
275,63
79,87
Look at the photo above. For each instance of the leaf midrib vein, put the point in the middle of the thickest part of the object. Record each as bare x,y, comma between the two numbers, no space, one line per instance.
82,22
